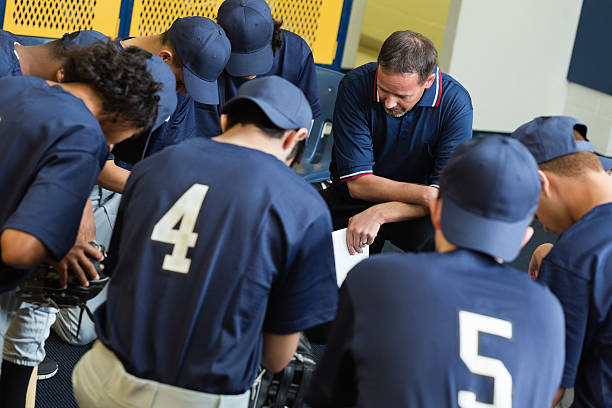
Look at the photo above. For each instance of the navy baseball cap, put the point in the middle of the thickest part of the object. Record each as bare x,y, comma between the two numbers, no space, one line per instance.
204,49
249,26
491,188
167,95
282,102
549,137
83,38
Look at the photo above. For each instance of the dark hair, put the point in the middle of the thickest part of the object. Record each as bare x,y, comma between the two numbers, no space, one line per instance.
407,52
572,165
120,78
246,112
277,40
166,40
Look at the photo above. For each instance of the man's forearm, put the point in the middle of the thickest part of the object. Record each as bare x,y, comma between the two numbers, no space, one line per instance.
22,250
380,189
113,177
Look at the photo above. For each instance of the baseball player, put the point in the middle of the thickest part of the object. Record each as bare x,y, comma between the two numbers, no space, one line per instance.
456,327
261,48
49,170
26,321
576,202
247,264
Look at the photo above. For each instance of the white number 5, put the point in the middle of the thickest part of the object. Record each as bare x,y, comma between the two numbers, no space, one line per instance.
470,324
184,211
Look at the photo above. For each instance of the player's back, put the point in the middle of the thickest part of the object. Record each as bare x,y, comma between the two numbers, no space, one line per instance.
443,330
213,229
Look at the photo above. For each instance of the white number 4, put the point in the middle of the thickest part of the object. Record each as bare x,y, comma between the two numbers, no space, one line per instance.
184,211
470,324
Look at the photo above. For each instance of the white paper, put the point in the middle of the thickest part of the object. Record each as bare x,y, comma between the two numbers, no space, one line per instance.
344,260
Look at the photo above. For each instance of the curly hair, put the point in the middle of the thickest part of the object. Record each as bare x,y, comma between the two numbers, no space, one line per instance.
120,78
277,40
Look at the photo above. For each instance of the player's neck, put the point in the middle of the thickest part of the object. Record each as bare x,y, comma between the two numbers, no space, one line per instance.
251,137
84,92
37,60
149,43
583,194
442,244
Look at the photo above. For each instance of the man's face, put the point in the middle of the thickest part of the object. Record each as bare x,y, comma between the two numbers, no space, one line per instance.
400,92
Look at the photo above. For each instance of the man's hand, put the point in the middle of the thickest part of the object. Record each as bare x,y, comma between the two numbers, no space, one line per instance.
77,261
536,259
362,229
87,228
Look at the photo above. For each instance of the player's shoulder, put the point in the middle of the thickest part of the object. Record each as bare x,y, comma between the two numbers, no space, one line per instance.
44,105
587,245
6,37
292,42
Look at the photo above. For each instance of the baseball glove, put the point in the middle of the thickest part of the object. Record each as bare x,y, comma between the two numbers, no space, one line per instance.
288,387
43,286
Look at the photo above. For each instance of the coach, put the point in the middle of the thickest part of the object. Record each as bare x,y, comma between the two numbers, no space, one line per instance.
396,122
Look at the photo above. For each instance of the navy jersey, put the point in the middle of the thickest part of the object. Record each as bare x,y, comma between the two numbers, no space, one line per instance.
578,271
293,61
232,242
189,119
430,330
413,148
9,62
51,152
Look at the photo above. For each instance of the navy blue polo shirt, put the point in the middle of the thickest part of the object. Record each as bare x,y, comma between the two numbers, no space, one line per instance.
413,148
9,62
418,330
214,254
578,271
293,61
51,152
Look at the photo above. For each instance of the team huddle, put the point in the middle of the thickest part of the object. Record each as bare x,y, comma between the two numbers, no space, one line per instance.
175,152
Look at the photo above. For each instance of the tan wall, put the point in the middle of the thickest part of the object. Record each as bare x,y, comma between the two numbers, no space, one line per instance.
382,17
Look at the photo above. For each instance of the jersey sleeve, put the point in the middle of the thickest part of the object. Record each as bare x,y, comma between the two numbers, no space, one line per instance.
457,127
334,383
353,154
307,294
53,204
574,295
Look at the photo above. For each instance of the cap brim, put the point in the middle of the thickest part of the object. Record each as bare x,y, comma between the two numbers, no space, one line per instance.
275,116
200,90
493,237
254,63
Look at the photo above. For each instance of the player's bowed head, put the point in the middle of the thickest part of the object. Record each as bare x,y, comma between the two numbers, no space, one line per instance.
489,192
115,85
269,114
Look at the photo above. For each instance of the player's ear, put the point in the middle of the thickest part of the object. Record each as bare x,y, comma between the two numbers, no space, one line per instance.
59,75
545,180
292,137
223,123
166,56
528,234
